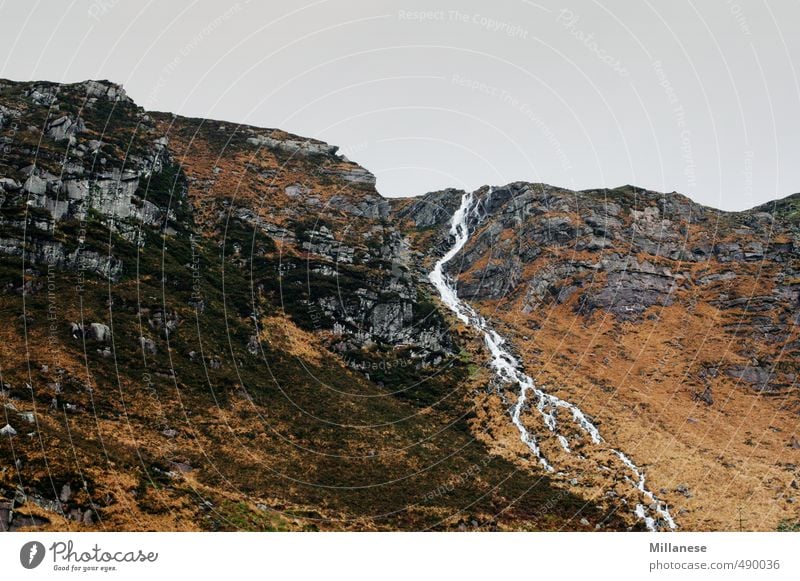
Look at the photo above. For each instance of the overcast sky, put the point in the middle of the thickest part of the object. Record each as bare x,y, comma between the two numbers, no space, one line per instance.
698,97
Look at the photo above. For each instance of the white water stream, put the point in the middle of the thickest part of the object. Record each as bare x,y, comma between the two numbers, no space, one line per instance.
509,370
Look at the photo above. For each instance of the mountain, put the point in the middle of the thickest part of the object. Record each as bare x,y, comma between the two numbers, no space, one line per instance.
210,326
673,326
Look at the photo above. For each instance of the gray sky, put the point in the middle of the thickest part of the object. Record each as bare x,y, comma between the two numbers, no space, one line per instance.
698,97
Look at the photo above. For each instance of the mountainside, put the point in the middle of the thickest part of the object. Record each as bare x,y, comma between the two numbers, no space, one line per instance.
673,326
210,326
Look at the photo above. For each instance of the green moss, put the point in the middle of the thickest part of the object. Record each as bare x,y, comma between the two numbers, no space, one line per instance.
786,526
238,516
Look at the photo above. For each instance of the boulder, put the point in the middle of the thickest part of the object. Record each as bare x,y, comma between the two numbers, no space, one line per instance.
9,185
98,332
76,330
7,430
66,493
105,90
148,345
35,185
64,128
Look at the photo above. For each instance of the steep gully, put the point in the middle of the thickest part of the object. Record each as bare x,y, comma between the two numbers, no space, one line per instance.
508,369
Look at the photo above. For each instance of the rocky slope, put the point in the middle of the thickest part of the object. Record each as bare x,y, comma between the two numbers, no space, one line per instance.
673,325
211,326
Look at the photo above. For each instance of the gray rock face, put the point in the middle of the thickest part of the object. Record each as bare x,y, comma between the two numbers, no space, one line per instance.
632,288
368,206
553,282
7,115
44,95
44,252
496,281
294,146
110,193
105,90
389,320
65,128
728,252
82,188
719,277
356,175
434,209
757,376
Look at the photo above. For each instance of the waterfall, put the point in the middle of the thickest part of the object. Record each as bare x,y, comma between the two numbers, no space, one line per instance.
509,370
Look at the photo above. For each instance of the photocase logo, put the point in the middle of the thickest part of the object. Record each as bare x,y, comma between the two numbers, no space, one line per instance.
31,554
